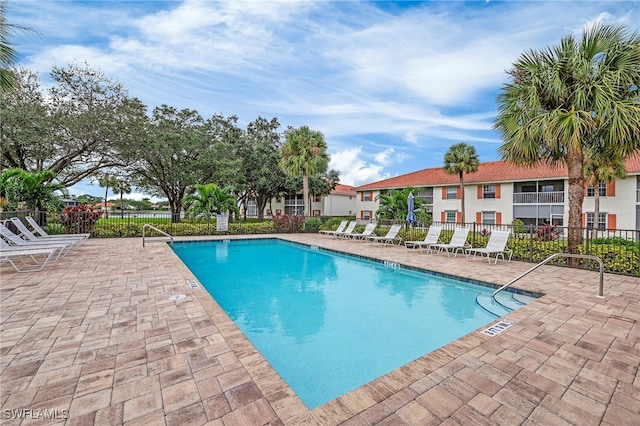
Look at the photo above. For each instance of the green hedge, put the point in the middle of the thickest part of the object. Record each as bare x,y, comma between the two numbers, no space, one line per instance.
111,230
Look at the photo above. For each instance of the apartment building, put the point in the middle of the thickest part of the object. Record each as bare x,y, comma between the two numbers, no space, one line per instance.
500,192
341,202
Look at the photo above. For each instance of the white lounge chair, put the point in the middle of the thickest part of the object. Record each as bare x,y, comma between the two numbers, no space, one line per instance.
348,230
457,244
433,237
63,247
37,229
339,229
37,257
368,231
497,245
26,234
390,237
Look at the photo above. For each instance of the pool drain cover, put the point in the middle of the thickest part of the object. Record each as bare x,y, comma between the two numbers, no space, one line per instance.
177,297
498,328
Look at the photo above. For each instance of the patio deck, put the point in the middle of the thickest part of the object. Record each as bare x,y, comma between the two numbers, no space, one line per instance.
94,339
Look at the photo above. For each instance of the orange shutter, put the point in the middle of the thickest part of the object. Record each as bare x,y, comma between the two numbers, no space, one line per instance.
585,188
478,217
444,192
498,186
479,192
584,220
443,217
498,218
459,217
611,189
362,196
361,214
458,193
611,221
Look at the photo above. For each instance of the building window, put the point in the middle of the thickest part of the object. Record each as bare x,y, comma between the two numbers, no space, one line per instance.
316,213
488,218
317,198
488,191
367,196
602,222
450,216
366,214
278,212
452,192
602,190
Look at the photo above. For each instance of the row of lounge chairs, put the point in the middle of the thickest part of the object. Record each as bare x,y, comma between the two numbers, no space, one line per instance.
496,246
30,250
346,230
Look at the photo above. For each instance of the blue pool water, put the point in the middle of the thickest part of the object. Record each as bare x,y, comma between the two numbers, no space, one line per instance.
329,323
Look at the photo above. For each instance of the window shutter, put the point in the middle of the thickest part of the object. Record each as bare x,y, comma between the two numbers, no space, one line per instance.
611,221
478,217
361,214
479,192
444,192
584,220
498,186
611,189
498,218
370,195
458,193
362,196
443,217
459,217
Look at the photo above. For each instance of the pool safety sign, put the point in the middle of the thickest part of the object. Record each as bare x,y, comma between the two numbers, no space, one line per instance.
192,284
498,328
222,223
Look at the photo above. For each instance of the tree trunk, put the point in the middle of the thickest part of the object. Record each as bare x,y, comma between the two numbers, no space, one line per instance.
106,210
305,193
462,195
576,197
596,210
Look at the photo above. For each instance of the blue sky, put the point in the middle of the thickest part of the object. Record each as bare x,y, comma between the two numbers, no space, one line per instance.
391,85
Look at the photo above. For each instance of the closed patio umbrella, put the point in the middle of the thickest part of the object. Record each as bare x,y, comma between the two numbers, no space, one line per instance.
411,216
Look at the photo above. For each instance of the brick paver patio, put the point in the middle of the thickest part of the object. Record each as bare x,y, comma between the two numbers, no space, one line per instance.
94,339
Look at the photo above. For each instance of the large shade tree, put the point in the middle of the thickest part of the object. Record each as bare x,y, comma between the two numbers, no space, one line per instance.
304,153
561,99
461,158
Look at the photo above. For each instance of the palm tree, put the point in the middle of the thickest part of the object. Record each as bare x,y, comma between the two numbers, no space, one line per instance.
304,152
560,98
461,158
35,189
123,187
107,181
7,54
210,199
597,168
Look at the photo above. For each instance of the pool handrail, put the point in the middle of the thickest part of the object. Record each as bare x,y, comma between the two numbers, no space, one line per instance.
553,256
146,225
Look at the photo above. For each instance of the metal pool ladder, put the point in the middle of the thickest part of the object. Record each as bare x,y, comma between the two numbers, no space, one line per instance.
553,256
146,225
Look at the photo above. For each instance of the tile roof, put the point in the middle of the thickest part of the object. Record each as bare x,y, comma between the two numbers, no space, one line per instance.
492,171
341,189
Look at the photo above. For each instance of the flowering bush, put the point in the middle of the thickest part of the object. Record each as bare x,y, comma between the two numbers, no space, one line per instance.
79,219
286,223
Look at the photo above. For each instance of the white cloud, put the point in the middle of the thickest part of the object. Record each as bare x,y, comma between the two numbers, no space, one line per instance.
354,170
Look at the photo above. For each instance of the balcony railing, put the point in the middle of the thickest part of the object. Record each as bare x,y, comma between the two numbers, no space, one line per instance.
556,197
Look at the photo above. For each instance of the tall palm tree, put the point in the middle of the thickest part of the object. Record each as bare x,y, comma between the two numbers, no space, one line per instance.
599,167
461,158
560,98
8,54
304,152
123,187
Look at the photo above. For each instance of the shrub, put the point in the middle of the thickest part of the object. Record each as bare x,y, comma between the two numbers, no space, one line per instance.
288,223
312,224
518,226
79,219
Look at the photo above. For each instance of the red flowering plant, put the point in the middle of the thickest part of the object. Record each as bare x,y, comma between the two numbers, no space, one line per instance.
79,219
288,223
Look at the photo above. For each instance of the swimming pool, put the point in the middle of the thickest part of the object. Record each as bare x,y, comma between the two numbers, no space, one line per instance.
327,322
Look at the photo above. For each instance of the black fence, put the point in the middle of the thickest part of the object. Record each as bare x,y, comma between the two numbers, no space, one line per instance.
619,249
